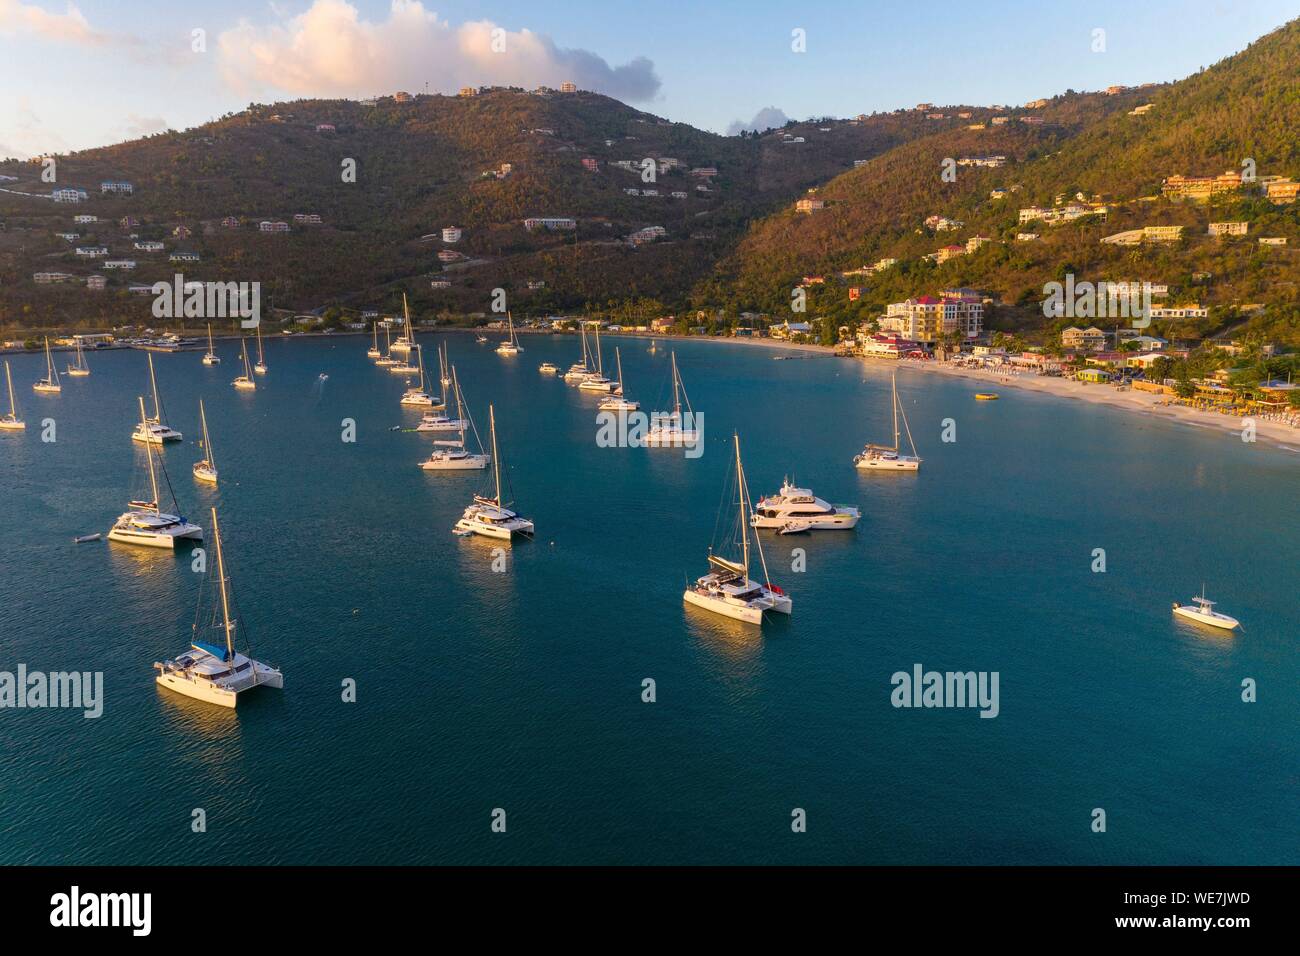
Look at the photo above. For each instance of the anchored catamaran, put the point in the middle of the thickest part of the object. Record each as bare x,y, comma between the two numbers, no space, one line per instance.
727,589
245,382
511,345
209,671
617,402
889,457
155,430
670,431
597,382
491,517
211,357
80,369
450,454
415,394
144,522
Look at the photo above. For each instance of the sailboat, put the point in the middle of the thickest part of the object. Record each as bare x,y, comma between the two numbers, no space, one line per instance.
727,589
444,368
154,430
450,454
11,422
206,470
50,383
491,517
406,341
597,382
1203,612
654,347
211,358
511,345
416,395
387,361
373,352
144,522
260,367
81,369
889,457
670,431
245,382
617,402
580,370
207,670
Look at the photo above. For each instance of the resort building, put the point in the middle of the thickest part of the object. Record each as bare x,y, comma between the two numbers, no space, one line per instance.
567,87
1189,311
1200,188
928,318
116,188
69,195
1282,191
1135,237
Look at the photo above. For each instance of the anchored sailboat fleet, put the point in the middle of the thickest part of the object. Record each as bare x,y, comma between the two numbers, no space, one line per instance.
206,469
491,517
154,430
50,383
11,422
579,370
213,671
144,522
449,454
245,382
80,369
890,457
727,589
211,357
670,431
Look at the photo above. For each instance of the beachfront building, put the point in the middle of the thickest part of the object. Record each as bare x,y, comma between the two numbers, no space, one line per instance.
929,318
789,330
1091,339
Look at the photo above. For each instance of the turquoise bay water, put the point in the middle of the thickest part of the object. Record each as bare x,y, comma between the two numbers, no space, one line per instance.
522,690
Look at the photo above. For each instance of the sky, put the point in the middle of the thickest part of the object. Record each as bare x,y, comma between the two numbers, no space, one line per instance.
76,75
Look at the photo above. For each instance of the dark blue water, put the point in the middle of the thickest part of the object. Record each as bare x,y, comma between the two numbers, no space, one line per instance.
522,690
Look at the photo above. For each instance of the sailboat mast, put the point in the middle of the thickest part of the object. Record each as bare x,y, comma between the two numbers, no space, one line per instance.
740,490
600,366
207,443
618,360
259,343
419,360
13,409
209,338
496,459
677,402
894,386
153,383
148,453
225,598
460,411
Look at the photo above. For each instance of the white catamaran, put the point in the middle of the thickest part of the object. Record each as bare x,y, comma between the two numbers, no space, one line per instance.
670,431
511,345
211,357
406,341
206,469
144,523
597,382
373,352
491,517
890,457
212,670
449,454
80,369
50,383
245,382
580,370
11,422
415,394
387,361
154,430
618,402
260,367
727,589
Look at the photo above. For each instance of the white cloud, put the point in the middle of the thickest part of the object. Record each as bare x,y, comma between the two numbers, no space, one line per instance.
769,117
25,134
71,27
137,126
329,50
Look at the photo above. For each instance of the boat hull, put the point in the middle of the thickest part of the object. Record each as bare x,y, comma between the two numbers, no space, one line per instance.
840,521
154,539
901,463
12,425
465,463
1221,621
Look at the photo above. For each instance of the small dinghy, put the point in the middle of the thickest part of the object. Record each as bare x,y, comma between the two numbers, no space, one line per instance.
82,539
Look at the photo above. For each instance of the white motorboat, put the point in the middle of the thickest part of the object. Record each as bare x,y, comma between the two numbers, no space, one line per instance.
618,402
245,382
50,383
211,670
154,430
416,395
206,469
728,589
1202,611
511,345
671,431
80,369
144,523
373,352
491,517
450,454
260,366
801,510
890,457
211,357
11,422
548,368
